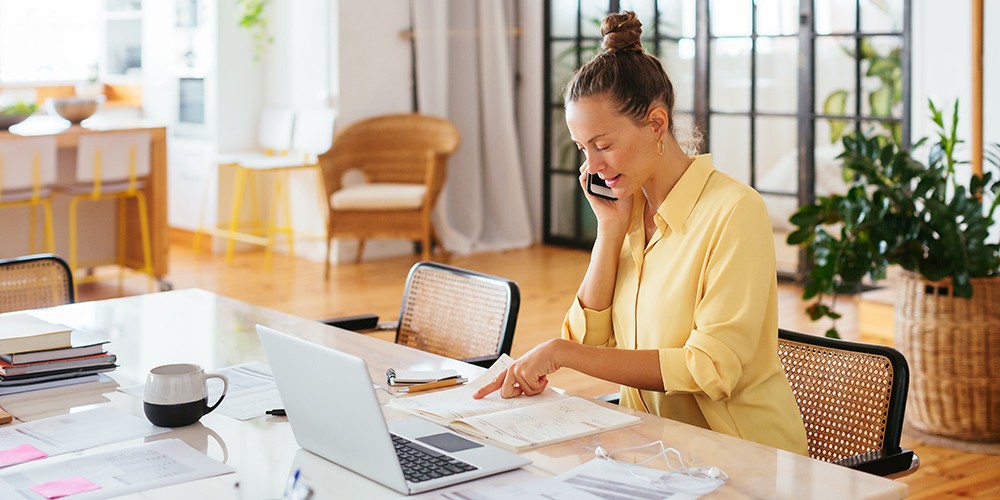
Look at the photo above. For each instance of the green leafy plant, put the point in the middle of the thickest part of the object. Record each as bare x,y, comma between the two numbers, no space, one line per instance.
253,17
898,211
888,69
19,108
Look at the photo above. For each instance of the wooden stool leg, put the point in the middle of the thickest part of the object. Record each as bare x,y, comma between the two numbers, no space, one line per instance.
147,247
49,232
234,216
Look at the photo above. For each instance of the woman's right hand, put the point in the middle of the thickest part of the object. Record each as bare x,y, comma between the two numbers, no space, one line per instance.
612,215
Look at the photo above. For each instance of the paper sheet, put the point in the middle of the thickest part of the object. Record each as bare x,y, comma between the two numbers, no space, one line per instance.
596,479
76,431
116,472
252,391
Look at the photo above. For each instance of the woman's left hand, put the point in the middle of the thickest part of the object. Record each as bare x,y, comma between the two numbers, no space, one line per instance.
527,375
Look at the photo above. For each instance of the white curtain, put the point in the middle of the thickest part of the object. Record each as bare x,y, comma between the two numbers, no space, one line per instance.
465,74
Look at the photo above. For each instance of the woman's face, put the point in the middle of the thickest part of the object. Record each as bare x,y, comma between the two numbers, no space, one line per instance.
617,149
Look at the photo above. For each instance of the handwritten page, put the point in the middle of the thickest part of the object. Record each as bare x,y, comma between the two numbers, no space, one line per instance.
74,432
516,423
115,472
252,391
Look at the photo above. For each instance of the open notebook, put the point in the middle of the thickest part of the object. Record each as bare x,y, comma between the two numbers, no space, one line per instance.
519,423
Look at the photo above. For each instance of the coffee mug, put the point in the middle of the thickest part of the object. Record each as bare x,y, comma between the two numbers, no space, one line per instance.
177,395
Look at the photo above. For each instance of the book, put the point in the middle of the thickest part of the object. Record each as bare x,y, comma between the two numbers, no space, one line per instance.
56,375
82,344
8,369
16,389
21,332
518,423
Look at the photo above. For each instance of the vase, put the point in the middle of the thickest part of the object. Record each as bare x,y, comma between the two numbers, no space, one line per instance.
953,348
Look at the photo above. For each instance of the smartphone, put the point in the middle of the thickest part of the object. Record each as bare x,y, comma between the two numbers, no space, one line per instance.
597,187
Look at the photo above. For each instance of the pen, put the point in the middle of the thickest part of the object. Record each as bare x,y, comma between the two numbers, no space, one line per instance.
433,385
277,412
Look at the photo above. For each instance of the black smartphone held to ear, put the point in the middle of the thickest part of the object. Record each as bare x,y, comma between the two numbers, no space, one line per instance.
597,187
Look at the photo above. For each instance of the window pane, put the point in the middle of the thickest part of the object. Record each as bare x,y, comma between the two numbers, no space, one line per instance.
564,151
679,65
563,219
563,65
777,17
34,37
730,145
780,208
835,92
834,16
730,17
881,16
882,86
677,18
592,11
730,70
777,154
563,18
829,175
777,74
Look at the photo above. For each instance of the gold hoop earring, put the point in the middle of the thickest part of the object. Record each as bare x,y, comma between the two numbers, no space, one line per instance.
659,147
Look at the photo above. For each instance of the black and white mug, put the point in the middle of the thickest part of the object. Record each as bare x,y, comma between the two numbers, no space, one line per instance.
177,394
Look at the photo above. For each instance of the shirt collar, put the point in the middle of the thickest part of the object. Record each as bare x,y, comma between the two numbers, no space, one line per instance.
681,200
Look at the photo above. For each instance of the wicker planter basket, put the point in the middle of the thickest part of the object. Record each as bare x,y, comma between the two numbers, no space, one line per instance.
953,348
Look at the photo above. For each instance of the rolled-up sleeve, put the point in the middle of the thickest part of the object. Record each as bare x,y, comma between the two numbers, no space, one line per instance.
729,315
587,326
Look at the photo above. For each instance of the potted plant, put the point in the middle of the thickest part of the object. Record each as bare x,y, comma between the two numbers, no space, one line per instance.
933,221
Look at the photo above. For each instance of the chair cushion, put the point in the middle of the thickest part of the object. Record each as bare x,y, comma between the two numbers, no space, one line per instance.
379,196
17,195
106,187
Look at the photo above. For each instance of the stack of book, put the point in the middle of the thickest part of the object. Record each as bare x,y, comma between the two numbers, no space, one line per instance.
36,354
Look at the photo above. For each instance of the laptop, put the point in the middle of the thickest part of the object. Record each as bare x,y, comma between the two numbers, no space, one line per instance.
334,413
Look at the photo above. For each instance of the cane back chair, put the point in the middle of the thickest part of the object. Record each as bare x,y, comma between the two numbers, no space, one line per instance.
456,313
852,397
34,281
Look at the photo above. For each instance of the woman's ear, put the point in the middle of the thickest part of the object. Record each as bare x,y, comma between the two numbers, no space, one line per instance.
658,120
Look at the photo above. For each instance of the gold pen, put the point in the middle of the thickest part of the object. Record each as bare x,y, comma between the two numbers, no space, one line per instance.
437,384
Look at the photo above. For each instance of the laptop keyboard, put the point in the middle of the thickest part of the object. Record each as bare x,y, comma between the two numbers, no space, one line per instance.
423,464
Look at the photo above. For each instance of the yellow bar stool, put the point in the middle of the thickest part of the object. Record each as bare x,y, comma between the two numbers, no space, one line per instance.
312,136
110,166
27,174
274,138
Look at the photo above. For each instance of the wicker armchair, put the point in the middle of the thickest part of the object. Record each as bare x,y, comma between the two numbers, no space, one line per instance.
852,397
401,161
456,313
34,281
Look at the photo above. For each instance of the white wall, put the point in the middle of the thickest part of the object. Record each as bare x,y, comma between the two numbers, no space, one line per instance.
942,69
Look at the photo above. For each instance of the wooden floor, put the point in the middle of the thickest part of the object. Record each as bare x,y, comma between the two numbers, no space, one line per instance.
548,278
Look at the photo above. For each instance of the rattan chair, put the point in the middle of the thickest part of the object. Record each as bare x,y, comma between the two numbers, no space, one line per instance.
456,313
34,281
852,397
400,161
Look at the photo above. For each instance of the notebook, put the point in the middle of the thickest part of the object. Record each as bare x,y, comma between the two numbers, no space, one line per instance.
334,413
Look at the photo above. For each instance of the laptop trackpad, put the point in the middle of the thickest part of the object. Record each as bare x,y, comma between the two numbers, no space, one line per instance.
449,442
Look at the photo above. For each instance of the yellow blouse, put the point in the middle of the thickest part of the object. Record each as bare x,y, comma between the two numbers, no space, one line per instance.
704,293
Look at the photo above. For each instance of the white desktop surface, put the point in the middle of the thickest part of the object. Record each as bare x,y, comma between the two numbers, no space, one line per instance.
196,326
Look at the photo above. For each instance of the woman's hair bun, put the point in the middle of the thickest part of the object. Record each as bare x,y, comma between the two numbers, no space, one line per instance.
622,32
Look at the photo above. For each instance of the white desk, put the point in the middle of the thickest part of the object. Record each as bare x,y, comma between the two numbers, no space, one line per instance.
200,327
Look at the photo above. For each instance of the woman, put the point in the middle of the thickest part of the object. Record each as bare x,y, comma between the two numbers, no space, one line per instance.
679,303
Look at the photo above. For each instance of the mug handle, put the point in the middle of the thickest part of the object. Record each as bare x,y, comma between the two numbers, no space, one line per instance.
225,387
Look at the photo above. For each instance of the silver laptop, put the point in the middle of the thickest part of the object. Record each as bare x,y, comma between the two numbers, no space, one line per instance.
334,413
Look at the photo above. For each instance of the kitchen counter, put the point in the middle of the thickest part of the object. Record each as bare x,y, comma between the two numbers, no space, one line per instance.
97,220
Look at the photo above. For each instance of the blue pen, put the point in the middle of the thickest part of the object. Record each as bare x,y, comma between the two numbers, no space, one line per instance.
293,479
